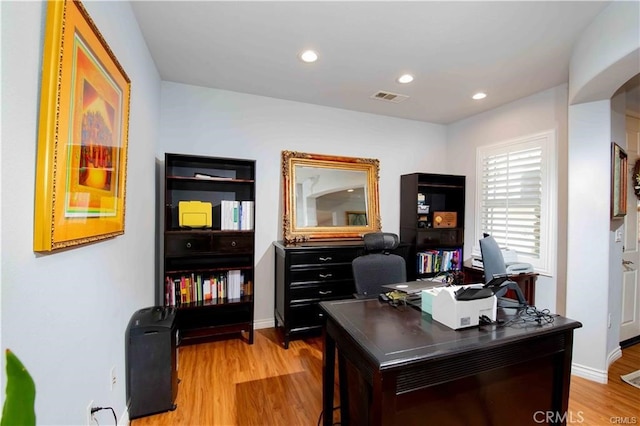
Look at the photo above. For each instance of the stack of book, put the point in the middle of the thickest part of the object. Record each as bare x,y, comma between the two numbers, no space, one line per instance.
189,288
236,215
430,261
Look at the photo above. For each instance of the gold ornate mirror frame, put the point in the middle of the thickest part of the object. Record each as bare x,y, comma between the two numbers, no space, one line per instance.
349,222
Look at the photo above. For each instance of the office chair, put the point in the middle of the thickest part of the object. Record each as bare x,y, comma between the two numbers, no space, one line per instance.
494,267
378,266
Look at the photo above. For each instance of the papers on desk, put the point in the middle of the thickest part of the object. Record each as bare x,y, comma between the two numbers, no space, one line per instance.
413,287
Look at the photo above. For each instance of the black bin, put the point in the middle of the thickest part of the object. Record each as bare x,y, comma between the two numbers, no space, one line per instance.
151,361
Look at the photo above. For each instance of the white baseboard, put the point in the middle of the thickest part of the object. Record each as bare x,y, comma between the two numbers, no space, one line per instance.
124,419
593,374
615,355
263,323
589,373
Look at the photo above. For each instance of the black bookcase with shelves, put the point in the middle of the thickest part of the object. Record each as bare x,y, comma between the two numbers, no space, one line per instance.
209,258
432,222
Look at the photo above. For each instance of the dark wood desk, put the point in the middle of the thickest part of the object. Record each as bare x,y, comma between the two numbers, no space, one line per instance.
399,367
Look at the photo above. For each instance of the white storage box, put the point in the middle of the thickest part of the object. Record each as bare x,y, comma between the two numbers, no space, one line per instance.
426,303
457,314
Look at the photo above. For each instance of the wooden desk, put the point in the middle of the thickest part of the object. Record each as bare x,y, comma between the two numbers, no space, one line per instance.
399,367
527,282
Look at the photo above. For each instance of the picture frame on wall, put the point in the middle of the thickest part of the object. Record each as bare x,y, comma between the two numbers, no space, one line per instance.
618,181
81,165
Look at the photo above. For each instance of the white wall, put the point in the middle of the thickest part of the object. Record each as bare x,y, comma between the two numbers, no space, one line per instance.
598,68
606,55
543,111
589,238
65,314
202,121
616,276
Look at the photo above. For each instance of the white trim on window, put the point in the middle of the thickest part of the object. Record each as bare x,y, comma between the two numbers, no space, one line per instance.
516,187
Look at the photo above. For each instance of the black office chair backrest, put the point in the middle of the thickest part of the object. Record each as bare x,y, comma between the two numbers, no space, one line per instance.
378,266
492,259
494,266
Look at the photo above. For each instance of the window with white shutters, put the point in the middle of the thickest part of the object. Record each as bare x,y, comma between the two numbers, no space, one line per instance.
514,194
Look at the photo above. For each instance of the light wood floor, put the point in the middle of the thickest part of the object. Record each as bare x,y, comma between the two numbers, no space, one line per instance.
232,383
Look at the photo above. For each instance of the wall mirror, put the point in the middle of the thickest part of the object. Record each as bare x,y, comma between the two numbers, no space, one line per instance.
329,197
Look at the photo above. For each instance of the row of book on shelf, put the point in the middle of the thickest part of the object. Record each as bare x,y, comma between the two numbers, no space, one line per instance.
430,261
188,288
236,215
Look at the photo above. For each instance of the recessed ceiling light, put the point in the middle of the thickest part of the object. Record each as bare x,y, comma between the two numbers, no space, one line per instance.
479,96
349,190
405,78
309,56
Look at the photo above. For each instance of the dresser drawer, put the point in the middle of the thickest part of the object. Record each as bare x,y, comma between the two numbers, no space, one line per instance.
233,243
322,274
316,293
306,315
323,257
307,274
188,243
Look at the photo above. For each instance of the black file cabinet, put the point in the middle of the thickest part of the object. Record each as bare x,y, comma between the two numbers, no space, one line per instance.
152,361
307,274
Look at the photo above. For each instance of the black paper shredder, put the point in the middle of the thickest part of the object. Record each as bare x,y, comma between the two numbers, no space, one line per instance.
152,361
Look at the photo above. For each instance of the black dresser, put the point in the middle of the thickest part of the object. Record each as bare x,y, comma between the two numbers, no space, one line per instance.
309,273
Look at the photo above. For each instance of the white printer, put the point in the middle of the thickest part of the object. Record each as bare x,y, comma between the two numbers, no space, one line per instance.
516,268
510,260
513,266
448,310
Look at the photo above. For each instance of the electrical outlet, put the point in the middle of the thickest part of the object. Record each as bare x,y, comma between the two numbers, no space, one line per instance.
112,377
89,414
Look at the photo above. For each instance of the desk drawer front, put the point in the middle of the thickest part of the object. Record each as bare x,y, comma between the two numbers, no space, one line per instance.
179,245
340,289
233,243
323,258
335,273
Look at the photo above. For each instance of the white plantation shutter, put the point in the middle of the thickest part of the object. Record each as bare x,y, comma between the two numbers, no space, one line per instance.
514,196
511,199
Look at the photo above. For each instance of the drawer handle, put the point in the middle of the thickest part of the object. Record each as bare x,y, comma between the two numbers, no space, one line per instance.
320,315
233,243
324,293
188,245
326,275
325,259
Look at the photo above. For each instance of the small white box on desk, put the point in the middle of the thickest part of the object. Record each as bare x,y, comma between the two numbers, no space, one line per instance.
457,314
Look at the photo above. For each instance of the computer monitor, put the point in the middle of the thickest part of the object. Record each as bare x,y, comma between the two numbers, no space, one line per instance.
495,273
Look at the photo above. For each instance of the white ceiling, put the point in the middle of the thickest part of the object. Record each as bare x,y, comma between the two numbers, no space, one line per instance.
508,49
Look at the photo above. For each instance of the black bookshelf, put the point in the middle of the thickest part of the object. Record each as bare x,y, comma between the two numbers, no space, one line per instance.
432,222
209,269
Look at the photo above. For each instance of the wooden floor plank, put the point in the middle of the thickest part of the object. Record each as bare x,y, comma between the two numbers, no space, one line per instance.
617,402
229,383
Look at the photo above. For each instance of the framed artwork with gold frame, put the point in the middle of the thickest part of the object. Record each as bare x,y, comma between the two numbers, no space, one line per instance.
83,134
618,181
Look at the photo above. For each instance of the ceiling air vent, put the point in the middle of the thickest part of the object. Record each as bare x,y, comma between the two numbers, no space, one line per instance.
389,97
